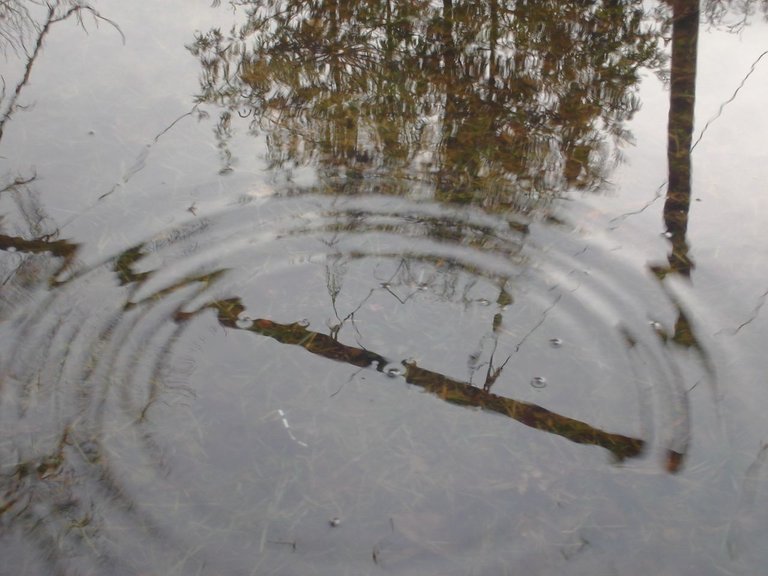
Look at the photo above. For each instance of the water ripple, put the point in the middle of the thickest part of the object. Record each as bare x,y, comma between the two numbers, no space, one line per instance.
149,393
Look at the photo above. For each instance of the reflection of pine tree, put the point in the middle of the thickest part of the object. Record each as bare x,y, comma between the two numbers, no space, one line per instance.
508,100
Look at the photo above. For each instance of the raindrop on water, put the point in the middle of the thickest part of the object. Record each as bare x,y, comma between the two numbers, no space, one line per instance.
538,382
555,342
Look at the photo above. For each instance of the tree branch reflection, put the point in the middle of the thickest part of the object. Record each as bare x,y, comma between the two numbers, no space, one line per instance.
17,21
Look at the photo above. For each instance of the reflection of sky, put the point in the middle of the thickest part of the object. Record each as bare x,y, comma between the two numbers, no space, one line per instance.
728,210
128,94
109,102
729,163
727,231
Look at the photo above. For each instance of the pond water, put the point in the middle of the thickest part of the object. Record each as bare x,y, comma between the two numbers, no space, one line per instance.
363,287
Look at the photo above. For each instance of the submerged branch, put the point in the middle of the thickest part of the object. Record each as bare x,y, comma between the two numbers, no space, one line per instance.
453,391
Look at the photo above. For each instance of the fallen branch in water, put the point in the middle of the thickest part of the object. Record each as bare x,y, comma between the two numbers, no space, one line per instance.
229,315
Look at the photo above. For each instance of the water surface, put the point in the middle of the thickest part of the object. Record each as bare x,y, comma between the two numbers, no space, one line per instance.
361,288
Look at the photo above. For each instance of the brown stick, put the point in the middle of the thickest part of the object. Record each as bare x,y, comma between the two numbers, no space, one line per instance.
441,386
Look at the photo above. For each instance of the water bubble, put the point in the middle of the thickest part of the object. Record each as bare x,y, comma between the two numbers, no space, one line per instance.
303,322
555,342
393,371
334,521
244,322
423,287
667,234
483,302
385,285
538,382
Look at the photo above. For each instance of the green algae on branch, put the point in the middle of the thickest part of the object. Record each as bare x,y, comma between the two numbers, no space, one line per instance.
230,312
529,414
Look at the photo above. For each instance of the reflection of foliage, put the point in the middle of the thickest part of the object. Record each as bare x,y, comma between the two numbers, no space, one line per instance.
15,24
30,245
25,20
733,14
514,100
23,30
